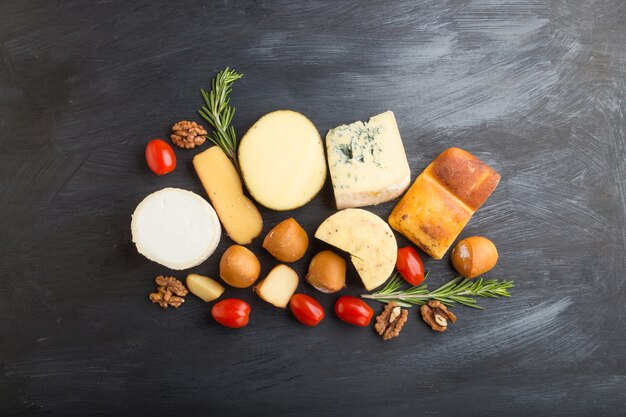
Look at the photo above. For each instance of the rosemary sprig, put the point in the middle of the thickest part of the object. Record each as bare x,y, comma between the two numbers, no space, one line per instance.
219,114
459,290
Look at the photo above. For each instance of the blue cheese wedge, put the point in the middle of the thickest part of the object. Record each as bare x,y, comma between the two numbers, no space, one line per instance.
367,162
367,238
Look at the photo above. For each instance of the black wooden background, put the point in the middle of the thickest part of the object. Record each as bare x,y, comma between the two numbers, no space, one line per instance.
534,88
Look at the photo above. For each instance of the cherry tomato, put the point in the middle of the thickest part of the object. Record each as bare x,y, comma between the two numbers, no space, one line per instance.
410,266
306,309
353,310
160,157
232,313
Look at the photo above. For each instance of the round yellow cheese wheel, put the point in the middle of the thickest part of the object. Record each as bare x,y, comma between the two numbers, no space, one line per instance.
282,160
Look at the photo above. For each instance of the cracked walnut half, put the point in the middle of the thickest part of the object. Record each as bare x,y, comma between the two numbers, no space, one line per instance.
437,315
170,292
390,321
188,135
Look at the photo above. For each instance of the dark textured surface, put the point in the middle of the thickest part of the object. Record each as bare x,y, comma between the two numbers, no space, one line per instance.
536,89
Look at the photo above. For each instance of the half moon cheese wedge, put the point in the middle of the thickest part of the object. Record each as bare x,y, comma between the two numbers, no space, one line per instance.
175,228
282,160
367,238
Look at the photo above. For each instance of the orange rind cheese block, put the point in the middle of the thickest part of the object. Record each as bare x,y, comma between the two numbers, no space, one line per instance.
442,200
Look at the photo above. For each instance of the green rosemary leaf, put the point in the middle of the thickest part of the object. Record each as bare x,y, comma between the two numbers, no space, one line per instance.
219,114
456,291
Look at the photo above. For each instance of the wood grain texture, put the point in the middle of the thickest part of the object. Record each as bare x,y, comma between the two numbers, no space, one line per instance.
535,89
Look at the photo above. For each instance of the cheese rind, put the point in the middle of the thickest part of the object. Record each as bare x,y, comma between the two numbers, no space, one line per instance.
367,238
282,160
175,228
239,216
442,200
429,216
367,162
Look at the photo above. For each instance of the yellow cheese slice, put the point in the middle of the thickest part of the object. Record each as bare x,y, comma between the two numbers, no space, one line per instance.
282,160
367,238
220,179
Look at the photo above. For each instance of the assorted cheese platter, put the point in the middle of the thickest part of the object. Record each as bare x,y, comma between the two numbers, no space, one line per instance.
281,163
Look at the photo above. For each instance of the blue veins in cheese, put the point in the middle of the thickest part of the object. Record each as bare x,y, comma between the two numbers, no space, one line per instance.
367,162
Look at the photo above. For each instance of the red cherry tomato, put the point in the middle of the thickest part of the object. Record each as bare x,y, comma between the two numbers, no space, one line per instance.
410,266
232,313
353,310
306,309
160,157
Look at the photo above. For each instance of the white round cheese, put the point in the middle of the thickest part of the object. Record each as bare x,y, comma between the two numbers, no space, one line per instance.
282,160
175,228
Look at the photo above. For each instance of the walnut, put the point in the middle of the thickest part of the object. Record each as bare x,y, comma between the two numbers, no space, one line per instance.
170,292
188,135
391,320
436,315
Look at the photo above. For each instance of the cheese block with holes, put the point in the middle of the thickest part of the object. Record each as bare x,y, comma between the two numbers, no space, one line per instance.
282,160
175,228
443,199
367,238
367,162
